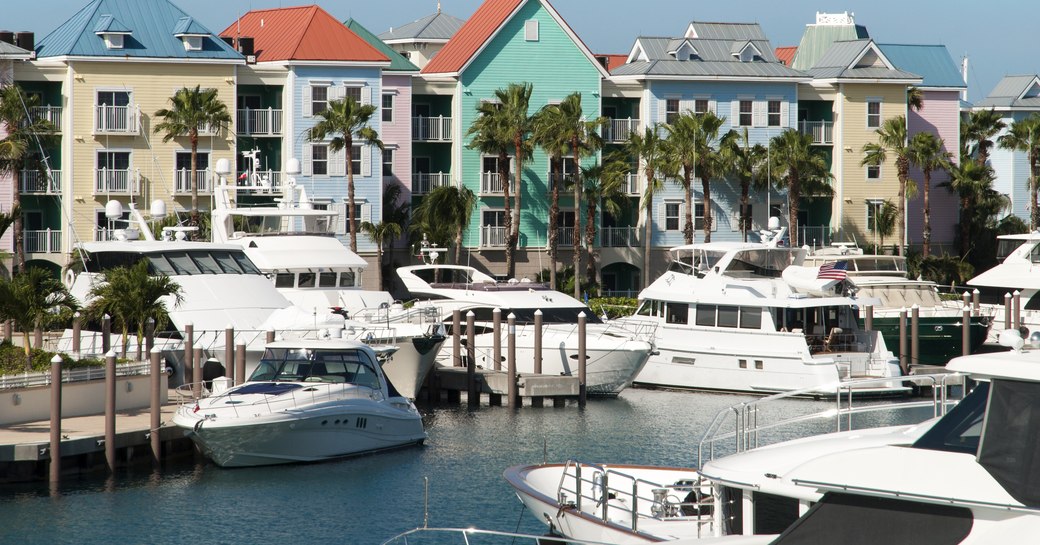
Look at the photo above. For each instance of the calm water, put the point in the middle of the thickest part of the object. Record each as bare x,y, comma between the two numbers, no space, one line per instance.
370,499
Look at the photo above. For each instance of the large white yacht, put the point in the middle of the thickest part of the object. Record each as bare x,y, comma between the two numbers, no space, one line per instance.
613,354
1017,271
305,402
750,317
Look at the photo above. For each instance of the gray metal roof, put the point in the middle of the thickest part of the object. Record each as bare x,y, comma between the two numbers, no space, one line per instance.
1008,90
439,26
728,31
8,51
715,56
835,64
695,68
707,50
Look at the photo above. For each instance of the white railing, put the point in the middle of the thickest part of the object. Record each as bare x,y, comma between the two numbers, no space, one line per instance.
616,131
492,236
72,375
564,177
425,182
46,241
33,182
822,132
564,237
490,183
182,181
104,234
261,181
51,114
617,237
431,129
116,119
259,122
815,235
632,185
115,181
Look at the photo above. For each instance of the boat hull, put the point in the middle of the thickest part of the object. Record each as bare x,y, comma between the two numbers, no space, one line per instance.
939,338
407,368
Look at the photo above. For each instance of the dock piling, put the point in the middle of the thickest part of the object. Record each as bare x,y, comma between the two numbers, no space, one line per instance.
582,388
472,395
456,338
110,410
915,335
106,334
975,304
149,335
537,401
965,331
229,351
496,351
514,397
55,447
240,363
1016,309
196,371
902,341
155,406
966,298
77,332
1007,310
189,354
868,319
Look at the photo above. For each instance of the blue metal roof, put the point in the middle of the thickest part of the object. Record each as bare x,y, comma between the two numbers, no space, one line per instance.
189,26
151,24
932,62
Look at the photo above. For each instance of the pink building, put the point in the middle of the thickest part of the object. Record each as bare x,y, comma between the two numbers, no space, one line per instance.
9,54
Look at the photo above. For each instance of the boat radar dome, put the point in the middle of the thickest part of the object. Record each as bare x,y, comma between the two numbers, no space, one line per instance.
113,210
157,209
292,167
223,167
774,223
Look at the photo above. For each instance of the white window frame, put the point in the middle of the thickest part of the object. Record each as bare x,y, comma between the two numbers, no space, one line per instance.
695,102
678,216
531,30
358,158
874,205
192,43
387,112
878,115
309,101
114,40
388,152
867,170
779,112
678,108
741,113
350,86
327,160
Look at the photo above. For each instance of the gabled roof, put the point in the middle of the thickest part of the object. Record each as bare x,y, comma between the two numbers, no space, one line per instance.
858,59
436,28
149,25
482,26
304,33
188,26
785,54
818,38
1021,91
931,62
397,61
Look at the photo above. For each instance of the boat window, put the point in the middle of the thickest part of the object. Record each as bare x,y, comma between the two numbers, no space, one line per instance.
346,280
159,265
306,280
227,263
644,308
247,266
206,263
327,280
961,428
284,280
1009,442
750,318
706,315
864,520
353,366
1034,254
678,313
182,263
769,263
103,261
728,316
773,513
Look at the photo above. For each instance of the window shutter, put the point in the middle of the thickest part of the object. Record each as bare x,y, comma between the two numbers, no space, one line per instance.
341,218
662,110
307,104
366,95
713,107
366,161
758,115
308,155
337,163
685,106
366,213
734,113
785,113
337,92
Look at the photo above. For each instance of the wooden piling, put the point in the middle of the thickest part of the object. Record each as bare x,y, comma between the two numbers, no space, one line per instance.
155,407
196,371
966,298
55,447
106,334
903,342
915,335
868,319
965,331
229,352
514,398
189,353
582,384
1007,310
149,335
472,395
269,338
456,338
496,350
77,332
1016,309
976,306
538,342
240,363
110,410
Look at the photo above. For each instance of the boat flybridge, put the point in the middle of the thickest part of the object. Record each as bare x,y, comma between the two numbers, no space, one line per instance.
613,354
306,401
1018,271
751,317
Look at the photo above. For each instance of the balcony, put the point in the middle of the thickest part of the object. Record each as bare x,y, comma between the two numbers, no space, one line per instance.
35,183
490,184
46,241
259,122
616,131
116,120
564,237
182,181
822,132
814,235
431,129
633,187
259,182
102,234
492,236
425,182
617,237
50,114
118,182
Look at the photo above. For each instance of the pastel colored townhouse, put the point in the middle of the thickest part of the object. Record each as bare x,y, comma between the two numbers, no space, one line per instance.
11,54
1014,97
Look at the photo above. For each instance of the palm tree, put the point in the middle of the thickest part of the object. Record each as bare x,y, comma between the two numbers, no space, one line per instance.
514,101
381,233
345,120
1024,135
33,298
448,206
798,167
6,221
745,161
885,216
549,135
20,149
709,162
914,98
604,183
681,149
649,150
926,152
972,182
130,296
981,127
892,138
193,110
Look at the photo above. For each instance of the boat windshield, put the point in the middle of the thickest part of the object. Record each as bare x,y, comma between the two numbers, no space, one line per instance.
348,365
284,224
176,262
1007,246
690,261
764,262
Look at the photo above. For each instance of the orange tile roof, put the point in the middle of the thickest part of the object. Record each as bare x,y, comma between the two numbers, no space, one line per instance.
613,60
785,54
304,33
471,37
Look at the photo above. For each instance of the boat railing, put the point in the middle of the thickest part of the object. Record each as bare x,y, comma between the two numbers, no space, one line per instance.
471,536
316,391
621,498
417,314
750,418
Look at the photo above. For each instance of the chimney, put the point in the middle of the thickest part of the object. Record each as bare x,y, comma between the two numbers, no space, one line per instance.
25,40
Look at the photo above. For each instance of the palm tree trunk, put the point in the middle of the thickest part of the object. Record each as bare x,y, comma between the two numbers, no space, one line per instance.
745,190
688,191
503,177
458,245
965,211
648,231
348,148
194,134
379,264
793,190
19,233
590,239
577,218
554,214
514,241
901,208
140,340
706,188
926,236
126,341
1034,214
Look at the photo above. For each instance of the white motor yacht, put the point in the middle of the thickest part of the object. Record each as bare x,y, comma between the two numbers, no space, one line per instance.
613,355
1018,270
305,402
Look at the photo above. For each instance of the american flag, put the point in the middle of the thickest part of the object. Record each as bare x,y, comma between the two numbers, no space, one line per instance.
833,270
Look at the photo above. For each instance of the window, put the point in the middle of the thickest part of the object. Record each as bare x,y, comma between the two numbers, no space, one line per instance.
113,98
531,30
700,106
873,209
873,172
560,170
671,110
728,316
113,41
319,160
356,152
388,107
352,91
671,216
493,218
319,99
750,318
284,280
678,313
113,160
327,280
773,113
706,315
746,109
192,43
873,114
346,280
183,161
388,162
698,216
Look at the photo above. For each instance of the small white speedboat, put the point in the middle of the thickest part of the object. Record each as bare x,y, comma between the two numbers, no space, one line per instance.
307,401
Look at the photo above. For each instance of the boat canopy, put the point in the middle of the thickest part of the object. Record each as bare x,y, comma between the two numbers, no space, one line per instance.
349,365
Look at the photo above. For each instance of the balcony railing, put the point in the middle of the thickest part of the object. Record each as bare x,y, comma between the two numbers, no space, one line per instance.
117,119
814,235
618,237
35,183
261,181
822,132
565,177
124,182
564,237
633,187
260,122
182,181
425,182
616,131
490,183
51,114
46,241
431,129
492,236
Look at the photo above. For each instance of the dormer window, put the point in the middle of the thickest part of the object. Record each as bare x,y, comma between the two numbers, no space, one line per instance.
111,31
747,52
192,42
685,52
190,33
113,41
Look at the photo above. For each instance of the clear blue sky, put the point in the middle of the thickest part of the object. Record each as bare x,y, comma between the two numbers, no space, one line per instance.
995,35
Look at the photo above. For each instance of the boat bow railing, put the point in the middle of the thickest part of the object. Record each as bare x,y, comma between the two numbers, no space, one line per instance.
466,536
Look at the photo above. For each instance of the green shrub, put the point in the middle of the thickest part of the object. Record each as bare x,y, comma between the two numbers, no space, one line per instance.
613,307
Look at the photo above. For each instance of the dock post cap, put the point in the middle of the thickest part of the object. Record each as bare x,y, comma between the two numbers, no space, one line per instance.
155,350
581,314
229,326
1017,292
106,317
110,354
976,290
538,312
470,313
496,309
511,316
915,306
76,314
56,359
